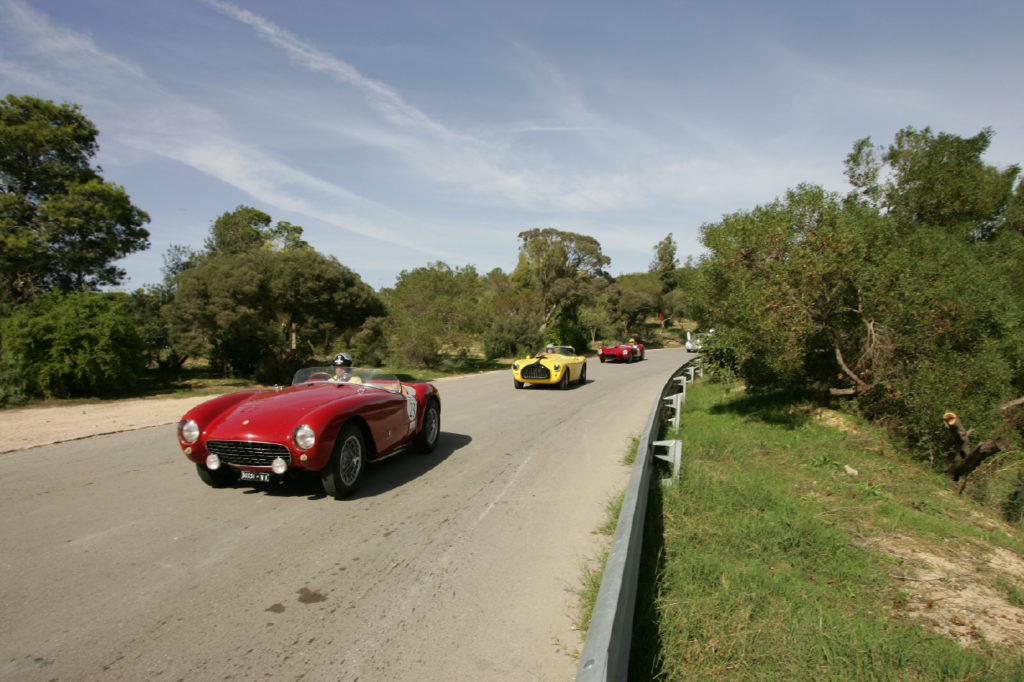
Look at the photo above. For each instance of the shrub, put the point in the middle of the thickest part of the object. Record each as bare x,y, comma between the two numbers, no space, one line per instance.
78,345
511,336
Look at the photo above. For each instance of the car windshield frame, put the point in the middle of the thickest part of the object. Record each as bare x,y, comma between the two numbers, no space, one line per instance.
559,350
359,376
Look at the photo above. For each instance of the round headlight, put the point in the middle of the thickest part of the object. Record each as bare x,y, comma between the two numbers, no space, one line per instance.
188,431
515,365
304,437
558,367
279,466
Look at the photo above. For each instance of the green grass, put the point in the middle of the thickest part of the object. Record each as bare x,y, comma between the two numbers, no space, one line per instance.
765,559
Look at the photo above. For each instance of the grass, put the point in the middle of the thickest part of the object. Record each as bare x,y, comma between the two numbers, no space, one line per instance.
797,544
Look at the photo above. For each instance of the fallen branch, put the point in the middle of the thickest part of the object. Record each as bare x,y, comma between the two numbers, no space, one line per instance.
966,459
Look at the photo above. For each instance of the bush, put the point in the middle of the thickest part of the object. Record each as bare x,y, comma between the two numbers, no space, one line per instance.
512,336
61,346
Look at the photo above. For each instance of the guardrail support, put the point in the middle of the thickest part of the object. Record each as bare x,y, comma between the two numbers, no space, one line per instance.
675,453
675,401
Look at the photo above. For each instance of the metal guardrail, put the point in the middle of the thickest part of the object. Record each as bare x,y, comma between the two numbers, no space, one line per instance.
606,650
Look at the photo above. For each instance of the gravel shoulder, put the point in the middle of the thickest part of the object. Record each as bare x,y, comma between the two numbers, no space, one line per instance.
34,426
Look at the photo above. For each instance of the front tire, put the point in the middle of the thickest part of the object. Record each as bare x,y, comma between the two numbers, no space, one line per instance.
517,383
220,478
563,384
583,373
601,357
341,475
426,439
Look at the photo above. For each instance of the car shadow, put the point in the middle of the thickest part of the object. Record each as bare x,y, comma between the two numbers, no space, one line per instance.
378,477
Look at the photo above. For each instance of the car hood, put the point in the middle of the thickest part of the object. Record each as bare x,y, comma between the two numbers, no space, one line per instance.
273,414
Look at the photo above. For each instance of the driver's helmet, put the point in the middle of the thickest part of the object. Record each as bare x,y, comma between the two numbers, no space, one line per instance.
550,348
632,341
342,360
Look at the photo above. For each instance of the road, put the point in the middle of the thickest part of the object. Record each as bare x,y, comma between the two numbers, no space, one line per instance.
117,563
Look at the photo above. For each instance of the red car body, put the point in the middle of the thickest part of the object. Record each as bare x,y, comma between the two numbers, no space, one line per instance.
255,436
621,352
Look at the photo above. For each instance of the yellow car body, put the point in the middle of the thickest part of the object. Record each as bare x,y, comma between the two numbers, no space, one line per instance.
559,366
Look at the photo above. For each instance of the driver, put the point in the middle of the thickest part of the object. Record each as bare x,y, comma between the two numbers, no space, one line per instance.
342,367
550,348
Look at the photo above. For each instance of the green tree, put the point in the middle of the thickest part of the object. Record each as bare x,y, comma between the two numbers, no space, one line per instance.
72,345
61,226
901,294
665,263
246,229
938,180
261,312
434,309
558,271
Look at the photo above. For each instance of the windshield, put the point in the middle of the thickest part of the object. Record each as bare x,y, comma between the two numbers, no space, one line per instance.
351,375
558,350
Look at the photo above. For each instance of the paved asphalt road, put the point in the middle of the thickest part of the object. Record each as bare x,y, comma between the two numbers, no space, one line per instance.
117,563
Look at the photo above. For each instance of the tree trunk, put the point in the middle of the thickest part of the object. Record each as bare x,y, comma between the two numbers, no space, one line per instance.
966,459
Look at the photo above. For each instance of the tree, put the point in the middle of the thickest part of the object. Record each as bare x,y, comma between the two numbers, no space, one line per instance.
938,180
61,226
260,312
562,269
436,308
72,345
665,263
246,229
902,294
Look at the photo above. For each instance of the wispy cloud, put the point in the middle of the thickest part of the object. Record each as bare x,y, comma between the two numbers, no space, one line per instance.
153,121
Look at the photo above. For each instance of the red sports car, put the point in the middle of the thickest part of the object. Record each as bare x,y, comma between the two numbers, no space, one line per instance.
324,422
622,352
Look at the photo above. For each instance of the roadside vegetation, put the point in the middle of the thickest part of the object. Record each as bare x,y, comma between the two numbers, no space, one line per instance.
801,543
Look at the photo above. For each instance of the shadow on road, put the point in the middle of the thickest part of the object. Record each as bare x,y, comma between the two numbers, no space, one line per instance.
378,477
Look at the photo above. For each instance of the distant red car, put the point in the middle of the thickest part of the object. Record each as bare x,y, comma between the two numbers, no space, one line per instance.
322,423
622,352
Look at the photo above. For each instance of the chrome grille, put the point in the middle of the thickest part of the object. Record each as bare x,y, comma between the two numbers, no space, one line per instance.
536,371
246,453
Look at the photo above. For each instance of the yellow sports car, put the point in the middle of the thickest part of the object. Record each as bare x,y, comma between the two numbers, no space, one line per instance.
554,365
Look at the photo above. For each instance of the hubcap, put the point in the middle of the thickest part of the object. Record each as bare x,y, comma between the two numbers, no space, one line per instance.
432,426
350,460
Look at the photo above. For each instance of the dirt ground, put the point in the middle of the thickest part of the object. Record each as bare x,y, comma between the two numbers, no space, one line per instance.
35,426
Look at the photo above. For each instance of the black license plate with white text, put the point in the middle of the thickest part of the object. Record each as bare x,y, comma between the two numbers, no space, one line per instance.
258,476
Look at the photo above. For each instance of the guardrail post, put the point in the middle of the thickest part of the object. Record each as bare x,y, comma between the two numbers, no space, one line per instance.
674,402
674,456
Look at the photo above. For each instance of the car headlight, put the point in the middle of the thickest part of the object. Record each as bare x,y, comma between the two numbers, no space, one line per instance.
188,431
515,365
304,436
558,367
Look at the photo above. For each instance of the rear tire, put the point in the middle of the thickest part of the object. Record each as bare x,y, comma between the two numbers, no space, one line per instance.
341,475
220,478
426,439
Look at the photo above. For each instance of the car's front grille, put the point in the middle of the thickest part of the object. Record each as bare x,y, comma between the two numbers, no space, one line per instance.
536,372
248,453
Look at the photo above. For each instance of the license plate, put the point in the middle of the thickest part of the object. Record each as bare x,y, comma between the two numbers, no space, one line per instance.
260,476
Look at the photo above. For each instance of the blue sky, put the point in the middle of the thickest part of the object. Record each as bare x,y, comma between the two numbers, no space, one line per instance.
402,133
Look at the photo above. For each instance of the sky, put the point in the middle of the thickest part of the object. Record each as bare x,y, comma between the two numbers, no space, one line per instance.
403,133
